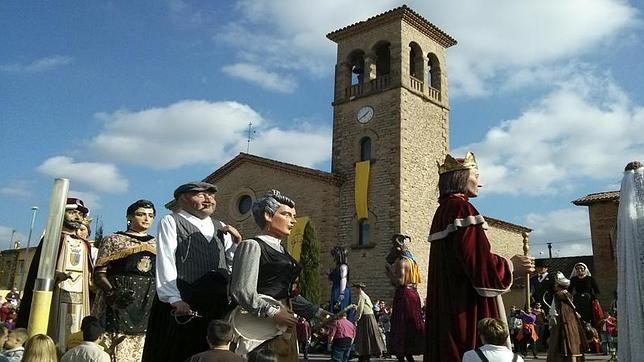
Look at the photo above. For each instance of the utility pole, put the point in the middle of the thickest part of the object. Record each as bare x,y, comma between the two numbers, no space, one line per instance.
549,250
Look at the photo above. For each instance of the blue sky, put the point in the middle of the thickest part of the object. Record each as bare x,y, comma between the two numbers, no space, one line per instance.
130,99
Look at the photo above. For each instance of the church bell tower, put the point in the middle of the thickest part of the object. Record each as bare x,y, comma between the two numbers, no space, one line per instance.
390,127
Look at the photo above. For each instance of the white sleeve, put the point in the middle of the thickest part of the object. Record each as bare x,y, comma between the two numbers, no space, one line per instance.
470,356
230,248
166,269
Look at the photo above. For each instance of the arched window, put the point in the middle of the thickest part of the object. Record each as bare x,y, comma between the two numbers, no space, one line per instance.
383,58
365,149
363,232
415,61
434,78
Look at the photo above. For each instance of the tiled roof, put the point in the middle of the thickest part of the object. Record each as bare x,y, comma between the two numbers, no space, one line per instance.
506,225
402,12
597,197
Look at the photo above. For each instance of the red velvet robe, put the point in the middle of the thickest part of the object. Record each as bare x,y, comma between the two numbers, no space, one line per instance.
465,280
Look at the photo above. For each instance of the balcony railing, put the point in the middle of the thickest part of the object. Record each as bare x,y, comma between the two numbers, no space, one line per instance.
379,83
416,84
434,94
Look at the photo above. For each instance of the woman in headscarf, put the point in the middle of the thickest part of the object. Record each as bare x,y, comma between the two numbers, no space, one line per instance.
262,266
368,342
583,288
124,273
567,340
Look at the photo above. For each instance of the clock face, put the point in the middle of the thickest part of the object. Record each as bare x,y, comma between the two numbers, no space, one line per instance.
365,114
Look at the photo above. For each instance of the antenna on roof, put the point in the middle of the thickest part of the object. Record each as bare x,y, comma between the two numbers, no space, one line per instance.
250,136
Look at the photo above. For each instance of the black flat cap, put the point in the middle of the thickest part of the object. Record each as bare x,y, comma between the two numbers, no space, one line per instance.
194,186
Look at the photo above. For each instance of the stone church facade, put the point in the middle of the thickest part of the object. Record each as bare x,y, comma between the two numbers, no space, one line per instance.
390,110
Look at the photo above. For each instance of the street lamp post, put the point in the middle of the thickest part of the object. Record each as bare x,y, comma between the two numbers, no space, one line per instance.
25,265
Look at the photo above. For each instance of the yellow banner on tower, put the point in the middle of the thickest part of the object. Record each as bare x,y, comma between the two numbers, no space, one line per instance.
362,188
296,237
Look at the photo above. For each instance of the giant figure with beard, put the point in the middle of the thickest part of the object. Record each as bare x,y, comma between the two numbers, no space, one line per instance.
70,301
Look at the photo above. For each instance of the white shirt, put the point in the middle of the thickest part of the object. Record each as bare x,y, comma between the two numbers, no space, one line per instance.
493,353
166,268
86,352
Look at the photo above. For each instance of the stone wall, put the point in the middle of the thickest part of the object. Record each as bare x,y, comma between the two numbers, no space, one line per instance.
603,217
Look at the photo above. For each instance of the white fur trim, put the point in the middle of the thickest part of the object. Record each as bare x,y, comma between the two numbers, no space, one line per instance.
458,223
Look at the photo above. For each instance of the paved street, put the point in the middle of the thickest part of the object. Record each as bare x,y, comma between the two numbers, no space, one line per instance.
541,357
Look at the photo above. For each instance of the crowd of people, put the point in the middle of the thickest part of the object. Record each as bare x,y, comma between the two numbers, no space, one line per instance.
189,293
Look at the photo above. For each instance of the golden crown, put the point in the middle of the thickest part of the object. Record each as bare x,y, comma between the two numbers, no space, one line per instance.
452,164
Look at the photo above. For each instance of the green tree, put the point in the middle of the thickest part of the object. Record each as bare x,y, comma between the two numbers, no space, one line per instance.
98,234
310,261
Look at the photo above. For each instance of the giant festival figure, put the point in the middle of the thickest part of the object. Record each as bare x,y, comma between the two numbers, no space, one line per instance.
466,280
407,327
262,267
630,262
124,274
194,252
70,302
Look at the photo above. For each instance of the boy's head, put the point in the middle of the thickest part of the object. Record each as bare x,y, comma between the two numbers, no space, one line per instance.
92,329
493,331
16,338
220,333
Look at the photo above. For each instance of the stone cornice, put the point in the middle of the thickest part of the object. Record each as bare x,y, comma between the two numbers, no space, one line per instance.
403,13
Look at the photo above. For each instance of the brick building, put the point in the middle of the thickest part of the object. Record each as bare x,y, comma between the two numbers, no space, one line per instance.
12,267
390,128
602,211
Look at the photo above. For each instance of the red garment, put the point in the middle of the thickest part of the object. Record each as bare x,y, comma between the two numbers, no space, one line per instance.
598,313
303,329
407,326
464,280
342,328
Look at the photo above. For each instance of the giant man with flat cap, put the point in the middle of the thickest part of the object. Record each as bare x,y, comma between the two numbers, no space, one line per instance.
194,259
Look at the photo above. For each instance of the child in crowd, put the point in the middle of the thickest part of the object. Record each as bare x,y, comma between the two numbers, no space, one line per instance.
303,329
608,328
527,336
40,348
342,332
13,348
494,335
88,350
219,336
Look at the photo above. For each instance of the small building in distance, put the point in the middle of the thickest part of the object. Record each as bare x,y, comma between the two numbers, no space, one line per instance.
12,267
602,211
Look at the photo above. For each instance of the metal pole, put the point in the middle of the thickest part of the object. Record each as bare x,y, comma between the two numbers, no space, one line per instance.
25,265
13,232
549,250
44,286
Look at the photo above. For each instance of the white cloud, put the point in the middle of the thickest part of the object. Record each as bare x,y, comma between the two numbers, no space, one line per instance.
39,65
496,38
567,229
103,177
586,128
21,189
255,74
201,132
5,237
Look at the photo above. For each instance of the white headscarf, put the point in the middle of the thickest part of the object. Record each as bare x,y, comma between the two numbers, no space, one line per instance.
630,265
575,273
